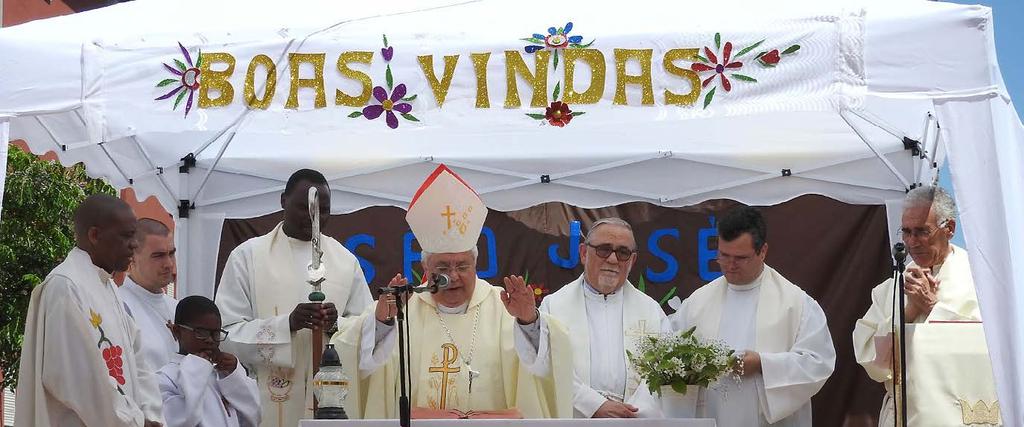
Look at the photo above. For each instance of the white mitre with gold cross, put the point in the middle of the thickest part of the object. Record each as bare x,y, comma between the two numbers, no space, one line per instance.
446,215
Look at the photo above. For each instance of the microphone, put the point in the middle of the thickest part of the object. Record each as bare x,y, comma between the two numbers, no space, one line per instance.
899,252
439,282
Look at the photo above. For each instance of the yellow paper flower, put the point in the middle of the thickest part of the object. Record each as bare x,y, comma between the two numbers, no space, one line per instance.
95,318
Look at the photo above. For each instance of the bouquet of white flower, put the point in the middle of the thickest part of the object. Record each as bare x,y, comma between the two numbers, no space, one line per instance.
682,359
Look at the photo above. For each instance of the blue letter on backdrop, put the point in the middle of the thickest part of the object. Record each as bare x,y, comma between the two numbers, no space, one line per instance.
356,241
671,265
705,255
408,256
492,255
572,249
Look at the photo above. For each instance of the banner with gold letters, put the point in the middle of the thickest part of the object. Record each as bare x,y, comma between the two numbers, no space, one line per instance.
444,69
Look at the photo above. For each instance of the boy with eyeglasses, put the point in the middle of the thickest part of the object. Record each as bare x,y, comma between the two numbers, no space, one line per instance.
203,385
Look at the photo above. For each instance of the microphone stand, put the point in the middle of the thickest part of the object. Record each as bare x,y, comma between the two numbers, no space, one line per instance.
404,346
900,257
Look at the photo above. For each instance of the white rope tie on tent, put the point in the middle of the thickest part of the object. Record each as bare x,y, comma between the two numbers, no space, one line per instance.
881,157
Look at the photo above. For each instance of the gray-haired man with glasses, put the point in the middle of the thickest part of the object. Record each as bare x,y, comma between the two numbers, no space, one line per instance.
937,283
606,315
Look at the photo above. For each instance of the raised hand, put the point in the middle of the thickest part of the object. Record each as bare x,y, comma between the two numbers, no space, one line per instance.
519,300
386,309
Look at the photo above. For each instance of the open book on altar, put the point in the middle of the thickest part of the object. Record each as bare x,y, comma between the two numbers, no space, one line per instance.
420,413
949,376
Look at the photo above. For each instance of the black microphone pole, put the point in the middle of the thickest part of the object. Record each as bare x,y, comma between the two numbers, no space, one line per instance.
436,282
899,254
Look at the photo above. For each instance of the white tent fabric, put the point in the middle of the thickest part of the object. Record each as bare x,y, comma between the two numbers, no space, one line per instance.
832,119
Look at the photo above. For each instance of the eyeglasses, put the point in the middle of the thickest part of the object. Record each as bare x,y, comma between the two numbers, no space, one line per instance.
216,335
458,269
920,233
622,253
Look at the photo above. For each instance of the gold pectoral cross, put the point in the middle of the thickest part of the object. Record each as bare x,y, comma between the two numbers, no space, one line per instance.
450,355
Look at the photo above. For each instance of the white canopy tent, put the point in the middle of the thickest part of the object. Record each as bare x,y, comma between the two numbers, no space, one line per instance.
878,95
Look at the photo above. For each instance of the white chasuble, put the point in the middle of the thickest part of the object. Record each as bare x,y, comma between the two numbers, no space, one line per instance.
263,281
601,329
82,363
957,301
446,347
785,326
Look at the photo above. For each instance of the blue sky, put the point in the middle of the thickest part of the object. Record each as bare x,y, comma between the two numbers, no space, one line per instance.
1009,26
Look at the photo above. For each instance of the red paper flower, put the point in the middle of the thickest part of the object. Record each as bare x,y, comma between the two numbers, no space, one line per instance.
538,292
719,67
769,59
558,114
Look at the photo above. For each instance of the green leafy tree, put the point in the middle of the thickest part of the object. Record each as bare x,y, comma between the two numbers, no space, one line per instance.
35,234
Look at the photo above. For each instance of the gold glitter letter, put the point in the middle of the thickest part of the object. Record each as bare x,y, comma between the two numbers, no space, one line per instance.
269,86
686,73
644,79
595,59
216,80
295,60
480,69
440,88
341,98
514,65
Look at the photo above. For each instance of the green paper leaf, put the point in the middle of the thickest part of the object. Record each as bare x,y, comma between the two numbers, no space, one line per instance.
536,116
641,285
385,40
709,97
418,276
759,55
410,117
199,59
588,44
533,40
181,65
718,40
668,296
791,49
558,90
178,100
743,77
165,82
409,98
701,59
355,114
556,59
578,113
389,78
748,49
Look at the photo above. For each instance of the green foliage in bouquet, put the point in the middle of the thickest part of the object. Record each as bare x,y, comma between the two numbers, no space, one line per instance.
681,359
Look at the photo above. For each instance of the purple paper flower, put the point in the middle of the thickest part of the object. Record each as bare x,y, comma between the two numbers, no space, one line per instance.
186,76
388,105
387,53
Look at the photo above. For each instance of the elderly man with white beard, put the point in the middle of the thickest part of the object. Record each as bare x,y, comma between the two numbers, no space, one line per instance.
605,314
